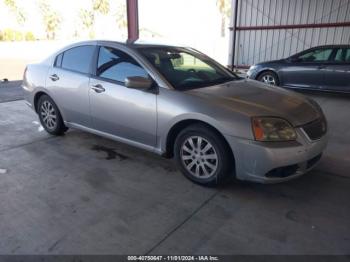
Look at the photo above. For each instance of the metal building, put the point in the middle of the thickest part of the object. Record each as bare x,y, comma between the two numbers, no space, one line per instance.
273,29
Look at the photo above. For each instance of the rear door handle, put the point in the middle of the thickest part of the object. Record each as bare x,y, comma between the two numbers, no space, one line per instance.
321,67
54,77
98,88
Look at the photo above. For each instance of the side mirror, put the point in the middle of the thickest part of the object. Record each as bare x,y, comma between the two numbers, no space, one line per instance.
138,82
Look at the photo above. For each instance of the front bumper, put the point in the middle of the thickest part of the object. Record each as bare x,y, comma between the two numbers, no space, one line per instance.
252,73
273,162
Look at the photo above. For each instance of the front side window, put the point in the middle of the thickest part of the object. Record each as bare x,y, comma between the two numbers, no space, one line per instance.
186,69
116,65
316,55
78,59
342,55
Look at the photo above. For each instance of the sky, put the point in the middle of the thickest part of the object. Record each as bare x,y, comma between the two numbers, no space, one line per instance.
195,23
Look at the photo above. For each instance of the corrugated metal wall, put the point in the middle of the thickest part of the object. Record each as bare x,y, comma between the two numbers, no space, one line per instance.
254,46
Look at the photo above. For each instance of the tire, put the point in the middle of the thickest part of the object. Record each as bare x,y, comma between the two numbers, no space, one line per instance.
50,116
205,169
269,78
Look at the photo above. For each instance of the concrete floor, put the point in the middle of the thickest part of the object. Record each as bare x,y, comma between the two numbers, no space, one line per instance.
82,194
10,91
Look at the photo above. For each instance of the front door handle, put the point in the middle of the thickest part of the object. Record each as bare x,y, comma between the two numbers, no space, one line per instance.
54,77
321,67
98,88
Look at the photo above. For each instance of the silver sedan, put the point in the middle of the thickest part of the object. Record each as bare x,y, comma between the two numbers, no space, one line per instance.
178,102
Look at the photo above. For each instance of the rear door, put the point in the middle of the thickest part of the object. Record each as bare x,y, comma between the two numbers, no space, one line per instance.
305,70
337,72
68,83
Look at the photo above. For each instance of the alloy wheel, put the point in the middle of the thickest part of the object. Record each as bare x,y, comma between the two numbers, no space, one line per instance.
269,79
199,157
48,114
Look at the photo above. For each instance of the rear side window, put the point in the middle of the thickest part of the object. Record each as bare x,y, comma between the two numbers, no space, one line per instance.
342,55
58,61
78,59
116,65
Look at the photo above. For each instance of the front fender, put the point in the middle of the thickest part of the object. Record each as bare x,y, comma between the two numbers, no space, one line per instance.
264,69
164,132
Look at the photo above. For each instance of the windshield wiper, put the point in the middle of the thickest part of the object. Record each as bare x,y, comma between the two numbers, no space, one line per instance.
202,84
222,80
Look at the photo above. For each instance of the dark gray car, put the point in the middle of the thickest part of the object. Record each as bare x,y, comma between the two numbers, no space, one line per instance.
324,68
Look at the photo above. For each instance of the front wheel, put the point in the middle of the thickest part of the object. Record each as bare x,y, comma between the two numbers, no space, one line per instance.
50,117
202,155
269,78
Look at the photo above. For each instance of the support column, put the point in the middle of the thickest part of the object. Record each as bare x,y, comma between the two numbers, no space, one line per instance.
233,34
133,20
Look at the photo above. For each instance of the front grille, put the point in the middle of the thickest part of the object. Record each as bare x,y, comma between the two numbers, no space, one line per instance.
316,129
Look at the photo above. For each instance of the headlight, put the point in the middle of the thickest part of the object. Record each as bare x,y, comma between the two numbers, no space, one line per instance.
272,129
253,67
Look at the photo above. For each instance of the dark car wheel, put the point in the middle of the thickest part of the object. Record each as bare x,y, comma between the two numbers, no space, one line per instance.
50,116
202,155
269,78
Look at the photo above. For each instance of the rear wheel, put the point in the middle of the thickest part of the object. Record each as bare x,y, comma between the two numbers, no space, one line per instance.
202,155
269,78
50,116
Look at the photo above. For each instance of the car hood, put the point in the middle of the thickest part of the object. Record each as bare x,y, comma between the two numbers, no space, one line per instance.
254,98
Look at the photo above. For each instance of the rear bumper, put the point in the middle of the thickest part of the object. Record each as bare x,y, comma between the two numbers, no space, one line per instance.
28,96
273,162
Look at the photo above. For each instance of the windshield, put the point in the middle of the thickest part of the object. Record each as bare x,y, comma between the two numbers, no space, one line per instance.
186,69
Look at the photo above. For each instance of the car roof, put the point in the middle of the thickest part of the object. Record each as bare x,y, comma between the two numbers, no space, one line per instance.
132,45
321,46
332,46
135,44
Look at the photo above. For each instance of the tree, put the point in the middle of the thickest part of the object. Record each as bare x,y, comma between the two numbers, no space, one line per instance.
51,19
225,11
12,5
101,6
88,15
121,16
87,18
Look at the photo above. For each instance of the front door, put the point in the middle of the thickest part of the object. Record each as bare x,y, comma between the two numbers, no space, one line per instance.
117,110
305,70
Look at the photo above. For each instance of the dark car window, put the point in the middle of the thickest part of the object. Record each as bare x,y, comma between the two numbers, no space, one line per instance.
186,69
58,61
316,55
116,65
342,55
78,58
